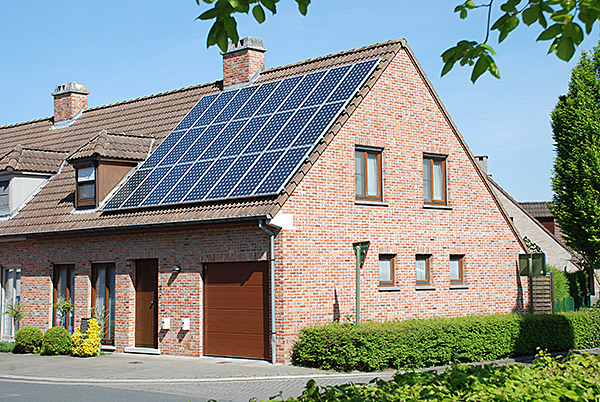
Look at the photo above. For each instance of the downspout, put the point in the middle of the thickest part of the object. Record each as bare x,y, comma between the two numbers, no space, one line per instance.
272,286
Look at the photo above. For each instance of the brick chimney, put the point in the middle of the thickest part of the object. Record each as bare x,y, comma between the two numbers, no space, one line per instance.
243,60
69,99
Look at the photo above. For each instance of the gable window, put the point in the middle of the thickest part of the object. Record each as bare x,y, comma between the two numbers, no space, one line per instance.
386,270
86,187
64,281
4,198
434,179
456,270
423,270
103,299
368,174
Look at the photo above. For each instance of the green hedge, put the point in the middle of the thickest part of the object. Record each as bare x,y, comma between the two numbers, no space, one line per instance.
441,341
28,340
57,341
576,378
561,283
6,347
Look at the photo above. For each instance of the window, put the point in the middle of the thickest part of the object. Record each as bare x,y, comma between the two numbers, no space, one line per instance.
422,267
456,270
4,198
368,175
86,187
434,179
103,299
11,295
386,270
64,278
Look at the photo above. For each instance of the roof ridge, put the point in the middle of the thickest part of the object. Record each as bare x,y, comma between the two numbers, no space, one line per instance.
401,41
22,123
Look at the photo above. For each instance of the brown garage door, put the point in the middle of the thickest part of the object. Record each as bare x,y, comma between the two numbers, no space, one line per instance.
235,310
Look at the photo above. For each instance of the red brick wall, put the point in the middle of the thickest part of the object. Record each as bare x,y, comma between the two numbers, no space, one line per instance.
67,105
240,66
180,296
315,271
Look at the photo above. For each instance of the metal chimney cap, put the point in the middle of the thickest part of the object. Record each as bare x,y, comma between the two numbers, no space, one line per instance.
248,42
70,87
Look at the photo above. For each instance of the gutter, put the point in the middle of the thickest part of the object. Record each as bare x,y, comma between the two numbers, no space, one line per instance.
271,235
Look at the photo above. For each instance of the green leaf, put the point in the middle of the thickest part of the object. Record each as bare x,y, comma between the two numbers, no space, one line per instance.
531,15
303,6
269,5
210,14
221,40
259,13
565,48
551,32
230,26
481,66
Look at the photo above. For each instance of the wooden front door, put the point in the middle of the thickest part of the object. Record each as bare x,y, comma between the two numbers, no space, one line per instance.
146,303
236,310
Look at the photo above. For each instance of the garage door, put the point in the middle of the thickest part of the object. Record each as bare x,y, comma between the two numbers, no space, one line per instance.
235,310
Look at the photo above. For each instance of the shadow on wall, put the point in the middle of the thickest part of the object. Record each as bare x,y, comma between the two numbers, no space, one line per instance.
336,306
520,303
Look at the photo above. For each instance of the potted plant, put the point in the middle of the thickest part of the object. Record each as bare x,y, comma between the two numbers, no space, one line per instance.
63,307
16,311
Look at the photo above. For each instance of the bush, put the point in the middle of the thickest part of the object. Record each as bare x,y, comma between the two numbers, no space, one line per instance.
6,347
561,284
57,341
87,344
576,378
28,340
441,341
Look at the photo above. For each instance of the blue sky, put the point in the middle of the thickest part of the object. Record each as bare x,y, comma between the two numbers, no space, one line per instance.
127,49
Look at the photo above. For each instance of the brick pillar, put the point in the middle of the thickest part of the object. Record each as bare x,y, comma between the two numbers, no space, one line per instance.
69,99
243,60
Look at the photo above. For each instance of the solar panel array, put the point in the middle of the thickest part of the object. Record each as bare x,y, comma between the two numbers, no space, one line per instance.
242,142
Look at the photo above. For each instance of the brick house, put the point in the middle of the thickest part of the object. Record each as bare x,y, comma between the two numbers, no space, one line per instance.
239,276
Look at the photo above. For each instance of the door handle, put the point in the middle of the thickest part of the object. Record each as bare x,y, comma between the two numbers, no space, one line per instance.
151,303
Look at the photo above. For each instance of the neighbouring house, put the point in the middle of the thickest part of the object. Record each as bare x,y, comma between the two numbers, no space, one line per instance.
219,219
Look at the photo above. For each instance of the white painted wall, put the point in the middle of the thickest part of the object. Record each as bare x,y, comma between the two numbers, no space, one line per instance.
21,187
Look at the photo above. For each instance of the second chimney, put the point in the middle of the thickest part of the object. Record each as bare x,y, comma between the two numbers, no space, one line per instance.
243,60
69,99
482,162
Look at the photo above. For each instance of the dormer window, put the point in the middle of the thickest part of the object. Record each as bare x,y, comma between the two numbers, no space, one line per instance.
4,198
86,187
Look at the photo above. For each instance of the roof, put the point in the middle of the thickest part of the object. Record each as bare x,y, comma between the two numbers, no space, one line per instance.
537,209
115,146
22,159
51,210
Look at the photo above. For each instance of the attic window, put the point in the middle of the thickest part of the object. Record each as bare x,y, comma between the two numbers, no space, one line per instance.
4,198
86,187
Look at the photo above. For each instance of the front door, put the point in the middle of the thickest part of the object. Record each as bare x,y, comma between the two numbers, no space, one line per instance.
146,303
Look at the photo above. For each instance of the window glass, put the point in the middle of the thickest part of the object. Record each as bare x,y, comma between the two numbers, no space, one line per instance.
86,174
373,174
368,174
385,269
103,301
456,274
4,199
427,179
434,179
11,291
64,278
438,179
422,269
360,173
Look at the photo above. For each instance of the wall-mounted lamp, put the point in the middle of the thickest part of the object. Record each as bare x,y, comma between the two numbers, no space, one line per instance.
176,269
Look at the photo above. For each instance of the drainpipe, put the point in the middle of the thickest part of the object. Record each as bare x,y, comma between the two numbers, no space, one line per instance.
272,286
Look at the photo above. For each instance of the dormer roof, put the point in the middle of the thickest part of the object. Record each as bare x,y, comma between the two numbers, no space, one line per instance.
22,159
114,146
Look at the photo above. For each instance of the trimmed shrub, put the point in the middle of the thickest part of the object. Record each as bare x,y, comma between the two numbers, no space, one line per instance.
87,344
441,341
561,284
57,341
6,347
575,378
28,340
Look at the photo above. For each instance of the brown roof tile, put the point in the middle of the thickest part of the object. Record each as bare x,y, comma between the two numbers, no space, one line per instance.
154,116
115,146
538,209
22,159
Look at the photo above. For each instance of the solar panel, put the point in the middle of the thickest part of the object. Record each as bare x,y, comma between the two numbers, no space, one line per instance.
243,142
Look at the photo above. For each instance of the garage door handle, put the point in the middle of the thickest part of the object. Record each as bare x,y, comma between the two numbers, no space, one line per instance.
151,303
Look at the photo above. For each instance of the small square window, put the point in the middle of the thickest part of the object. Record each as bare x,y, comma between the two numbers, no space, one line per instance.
386,270
368,175
423,269
456,270
434,179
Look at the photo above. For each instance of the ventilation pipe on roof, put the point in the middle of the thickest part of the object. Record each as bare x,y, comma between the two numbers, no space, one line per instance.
271,287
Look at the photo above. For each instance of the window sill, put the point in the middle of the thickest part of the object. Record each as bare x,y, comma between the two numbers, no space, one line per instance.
371,203
389,288
458,287
433,206
424,287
